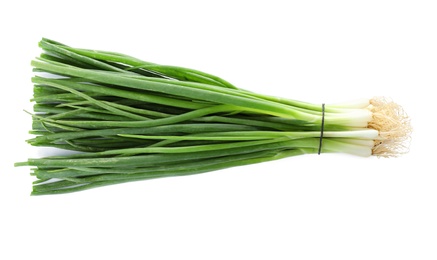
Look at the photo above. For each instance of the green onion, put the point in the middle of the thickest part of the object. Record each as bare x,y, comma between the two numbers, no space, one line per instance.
134,120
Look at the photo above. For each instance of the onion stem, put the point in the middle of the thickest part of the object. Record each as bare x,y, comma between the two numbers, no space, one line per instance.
134,120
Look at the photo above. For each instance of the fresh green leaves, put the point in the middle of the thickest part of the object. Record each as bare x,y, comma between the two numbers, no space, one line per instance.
134,120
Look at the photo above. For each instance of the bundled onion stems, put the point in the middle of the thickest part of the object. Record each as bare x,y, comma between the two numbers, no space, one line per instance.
133,120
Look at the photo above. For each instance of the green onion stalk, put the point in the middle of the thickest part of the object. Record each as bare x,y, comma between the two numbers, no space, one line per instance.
129,120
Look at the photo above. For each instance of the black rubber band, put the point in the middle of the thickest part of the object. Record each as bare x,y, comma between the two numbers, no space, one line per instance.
322,128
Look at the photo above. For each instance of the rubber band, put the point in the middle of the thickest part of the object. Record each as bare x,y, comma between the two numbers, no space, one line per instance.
321,129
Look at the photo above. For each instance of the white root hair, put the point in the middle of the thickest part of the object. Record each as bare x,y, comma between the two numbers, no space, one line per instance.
393,125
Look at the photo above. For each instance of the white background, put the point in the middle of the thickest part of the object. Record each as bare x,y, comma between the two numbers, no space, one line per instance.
307,207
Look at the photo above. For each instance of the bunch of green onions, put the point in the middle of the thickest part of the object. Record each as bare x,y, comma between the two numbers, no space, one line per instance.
133,120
